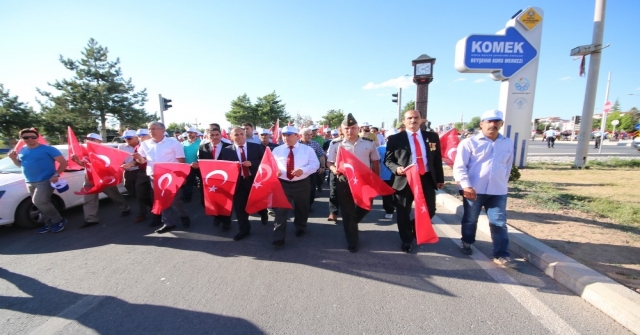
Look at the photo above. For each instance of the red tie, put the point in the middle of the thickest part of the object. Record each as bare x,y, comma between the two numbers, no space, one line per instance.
214,152
419,159
290,164
245,169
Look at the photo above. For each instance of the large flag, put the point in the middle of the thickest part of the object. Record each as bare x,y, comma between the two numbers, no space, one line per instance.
224,134
104,167
267,191
74,149
276,132
219,180
449,146
167,179
364,184
424,227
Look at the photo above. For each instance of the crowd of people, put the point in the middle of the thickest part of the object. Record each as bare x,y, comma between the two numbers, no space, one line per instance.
306,160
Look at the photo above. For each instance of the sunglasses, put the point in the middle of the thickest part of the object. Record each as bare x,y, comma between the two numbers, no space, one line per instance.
29,137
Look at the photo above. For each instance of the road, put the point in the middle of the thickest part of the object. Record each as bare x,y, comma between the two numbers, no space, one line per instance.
568,148
120,278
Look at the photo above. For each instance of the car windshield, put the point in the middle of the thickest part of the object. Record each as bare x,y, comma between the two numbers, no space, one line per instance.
7,166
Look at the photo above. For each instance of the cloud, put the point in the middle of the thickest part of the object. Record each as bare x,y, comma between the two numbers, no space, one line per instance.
477,81
565,78
402,81
459,79
638,89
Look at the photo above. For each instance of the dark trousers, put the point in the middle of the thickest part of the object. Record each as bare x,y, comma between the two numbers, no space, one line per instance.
387,200
297,193
240,198
404,200
312,191
320,178
190,181
351,214
550,141
333,196
138,185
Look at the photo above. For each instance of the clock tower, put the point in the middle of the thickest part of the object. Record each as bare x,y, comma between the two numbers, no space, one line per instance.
422,76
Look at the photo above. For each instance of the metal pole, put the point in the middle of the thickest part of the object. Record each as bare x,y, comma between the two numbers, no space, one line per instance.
603,121
399,105
161,108
582,149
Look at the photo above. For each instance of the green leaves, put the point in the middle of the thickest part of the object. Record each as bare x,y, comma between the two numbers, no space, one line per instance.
263,113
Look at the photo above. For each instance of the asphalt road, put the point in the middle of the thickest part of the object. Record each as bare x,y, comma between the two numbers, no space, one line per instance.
568,148
121,278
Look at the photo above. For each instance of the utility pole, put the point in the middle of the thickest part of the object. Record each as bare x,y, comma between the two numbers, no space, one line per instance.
582,148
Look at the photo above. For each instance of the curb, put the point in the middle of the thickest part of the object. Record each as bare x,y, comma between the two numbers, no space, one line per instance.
613,299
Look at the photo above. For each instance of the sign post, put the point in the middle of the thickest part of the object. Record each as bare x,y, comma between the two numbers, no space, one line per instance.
510,56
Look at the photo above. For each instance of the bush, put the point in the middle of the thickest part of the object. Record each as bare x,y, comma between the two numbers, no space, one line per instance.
515,173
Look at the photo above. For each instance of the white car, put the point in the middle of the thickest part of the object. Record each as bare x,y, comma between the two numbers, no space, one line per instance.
15,202
636,143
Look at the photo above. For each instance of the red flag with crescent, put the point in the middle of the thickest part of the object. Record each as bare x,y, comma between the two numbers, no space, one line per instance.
224,133
219,180
167,179
449,146
276,132
74,149
424,228
104,167
364,184
266,191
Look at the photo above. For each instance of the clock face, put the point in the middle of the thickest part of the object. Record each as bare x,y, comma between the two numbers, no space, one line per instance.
423,69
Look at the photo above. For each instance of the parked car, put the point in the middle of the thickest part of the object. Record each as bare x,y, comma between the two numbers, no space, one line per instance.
15,203
636,143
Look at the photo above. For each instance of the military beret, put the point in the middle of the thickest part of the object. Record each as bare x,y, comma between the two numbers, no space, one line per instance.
349,120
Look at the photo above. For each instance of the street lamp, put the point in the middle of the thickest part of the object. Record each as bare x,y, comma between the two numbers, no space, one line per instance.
422,77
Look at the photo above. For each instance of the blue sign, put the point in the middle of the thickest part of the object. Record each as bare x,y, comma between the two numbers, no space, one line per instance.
637,126
507,53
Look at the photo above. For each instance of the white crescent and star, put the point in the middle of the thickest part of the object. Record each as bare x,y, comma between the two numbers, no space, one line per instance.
108,180
105,159
215,172
266,168
163,177
450,152
353,173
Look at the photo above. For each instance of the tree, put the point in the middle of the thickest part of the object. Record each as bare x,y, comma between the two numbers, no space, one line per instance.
172,127
333,118
458,126
302,121
629,120
242,110
96,91
616,106
474,123
264,113
409,106
14,116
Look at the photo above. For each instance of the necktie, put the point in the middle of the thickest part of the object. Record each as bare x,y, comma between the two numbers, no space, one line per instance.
245,170
214,152
419,160
290,163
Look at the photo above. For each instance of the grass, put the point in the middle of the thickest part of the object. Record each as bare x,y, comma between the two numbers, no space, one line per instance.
612,163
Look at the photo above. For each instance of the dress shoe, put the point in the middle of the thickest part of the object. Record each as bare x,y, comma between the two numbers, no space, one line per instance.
300,233
186,221
264,217
125,212
88,224
139,219
240,236
406,247
278,243
353,248
332,217
165,229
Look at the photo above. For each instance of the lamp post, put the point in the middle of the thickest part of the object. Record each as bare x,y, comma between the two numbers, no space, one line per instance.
422,77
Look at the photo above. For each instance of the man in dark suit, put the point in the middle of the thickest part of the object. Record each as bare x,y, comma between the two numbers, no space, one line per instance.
413,146
211,150
249,155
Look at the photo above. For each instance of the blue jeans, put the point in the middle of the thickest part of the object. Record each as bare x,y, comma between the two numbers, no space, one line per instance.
496,208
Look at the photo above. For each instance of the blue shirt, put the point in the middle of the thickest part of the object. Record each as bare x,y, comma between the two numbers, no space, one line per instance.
38,164
483,164
385,173
191,151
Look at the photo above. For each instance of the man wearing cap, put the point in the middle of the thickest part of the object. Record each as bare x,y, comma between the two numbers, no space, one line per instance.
380,137
249,155
136,180
161,149
385,174
313,178
296,163
250,136
365,150
420,147
191,146
482,167
265,139
327,134
365,132
38,167
315,136
333,197
92,201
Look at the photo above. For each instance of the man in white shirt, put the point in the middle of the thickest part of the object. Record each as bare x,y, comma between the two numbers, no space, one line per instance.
550,135
136,180
296,162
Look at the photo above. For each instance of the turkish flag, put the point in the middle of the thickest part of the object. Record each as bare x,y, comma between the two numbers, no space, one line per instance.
276,132
364,184
224,134
424,227
74,149
219,179
103,167
449,146
266,191
167,179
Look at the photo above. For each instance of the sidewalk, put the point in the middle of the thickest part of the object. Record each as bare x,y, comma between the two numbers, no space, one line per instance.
613,299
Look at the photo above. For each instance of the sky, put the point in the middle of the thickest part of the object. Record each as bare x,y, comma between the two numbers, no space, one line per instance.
316,55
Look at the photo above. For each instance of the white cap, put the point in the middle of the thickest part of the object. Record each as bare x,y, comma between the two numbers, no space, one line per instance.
95,136
199,134
365,124
255,131
335,132
185,135
390,132
492,115
287,130
129,134
190,130
313,127
142,132
265,131
327,130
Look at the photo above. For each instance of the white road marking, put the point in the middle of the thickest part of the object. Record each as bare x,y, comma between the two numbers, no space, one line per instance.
58,322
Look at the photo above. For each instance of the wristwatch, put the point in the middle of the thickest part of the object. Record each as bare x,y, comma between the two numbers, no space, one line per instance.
56,175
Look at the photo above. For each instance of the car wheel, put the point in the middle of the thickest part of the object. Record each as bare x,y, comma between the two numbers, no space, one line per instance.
29,216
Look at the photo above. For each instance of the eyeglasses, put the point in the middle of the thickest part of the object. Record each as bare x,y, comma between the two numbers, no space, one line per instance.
29,137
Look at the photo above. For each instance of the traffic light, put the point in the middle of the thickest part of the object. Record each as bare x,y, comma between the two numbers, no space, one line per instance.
164,103
395,97
576,119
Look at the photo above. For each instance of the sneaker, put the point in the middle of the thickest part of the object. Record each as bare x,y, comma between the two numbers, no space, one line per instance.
271,212
505,262
45,229
58,227
466,248
388,216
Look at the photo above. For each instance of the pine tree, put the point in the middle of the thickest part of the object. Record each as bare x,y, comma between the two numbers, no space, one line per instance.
14,116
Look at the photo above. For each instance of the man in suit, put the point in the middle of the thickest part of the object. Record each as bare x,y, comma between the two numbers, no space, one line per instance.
249,155
211,150
413,146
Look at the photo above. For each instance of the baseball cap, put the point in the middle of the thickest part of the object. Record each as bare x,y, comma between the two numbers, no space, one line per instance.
190,130
492,115
334,132
95,136
365,124
142,132
265,132
288,130
327,130
390,132
313,127
129,134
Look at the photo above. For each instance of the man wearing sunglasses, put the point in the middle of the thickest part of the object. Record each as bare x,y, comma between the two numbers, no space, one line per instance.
38,167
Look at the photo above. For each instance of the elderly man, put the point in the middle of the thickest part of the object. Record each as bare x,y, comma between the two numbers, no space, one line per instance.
420,147
333,197
136,180
161,149
249,155
191,146
38,167
482,167
296,163
366,151
313,179
92,201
